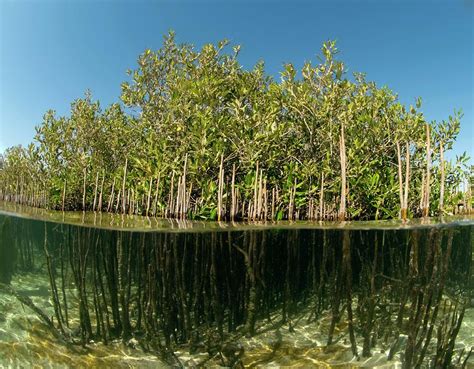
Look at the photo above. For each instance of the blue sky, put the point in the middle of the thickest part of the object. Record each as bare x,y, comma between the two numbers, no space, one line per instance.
52,51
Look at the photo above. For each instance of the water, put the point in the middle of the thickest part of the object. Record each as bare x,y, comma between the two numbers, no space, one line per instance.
80,290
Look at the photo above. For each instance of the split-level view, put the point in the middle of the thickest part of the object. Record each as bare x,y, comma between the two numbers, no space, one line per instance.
217,215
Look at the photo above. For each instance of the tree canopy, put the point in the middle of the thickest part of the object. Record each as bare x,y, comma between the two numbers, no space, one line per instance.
198,136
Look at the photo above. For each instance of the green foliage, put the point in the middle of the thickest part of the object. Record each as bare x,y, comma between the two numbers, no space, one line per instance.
202,104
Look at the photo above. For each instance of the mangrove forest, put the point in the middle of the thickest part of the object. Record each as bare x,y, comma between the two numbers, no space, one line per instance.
196,135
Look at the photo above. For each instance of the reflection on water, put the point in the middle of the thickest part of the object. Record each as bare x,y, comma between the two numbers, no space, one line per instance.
136,223
84,296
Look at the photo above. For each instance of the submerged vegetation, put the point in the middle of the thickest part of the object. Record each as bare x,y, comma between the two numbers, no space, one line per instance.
198,136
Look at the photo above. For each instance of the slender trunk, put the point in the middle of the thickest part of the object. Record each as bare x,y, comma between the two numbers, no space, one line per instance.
148,197
342,149
64,194
99,205
321,197
265,199
422,197
155,206
441,189
426,204
84,190
127,200
234,202
95,190
178,198
255,194
258,202
111,197
290,205
469,197
220,189
407,180
400,179
171,199
184,197
273,203
123,185
118,200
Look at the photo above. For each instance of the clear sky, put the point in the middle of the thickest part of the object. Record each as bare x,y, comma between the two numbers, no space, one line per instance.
52,51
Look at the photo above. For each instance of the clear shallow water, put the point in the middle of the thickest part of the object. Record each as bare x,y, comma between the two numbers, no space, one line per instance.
125,222
233,295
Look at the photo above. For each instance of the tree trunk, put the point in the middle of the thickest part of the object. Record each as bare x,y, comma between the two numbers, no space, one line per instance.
110,204
321,198
84,190
255,195
184,197
407,181
99,205
426,204
422,196
149,197
123,185
155,206
220,190
342,151
441,189
234,199
64,194
400,179
95,191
